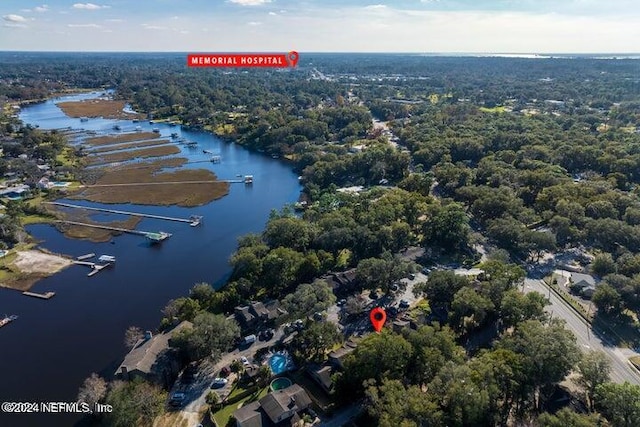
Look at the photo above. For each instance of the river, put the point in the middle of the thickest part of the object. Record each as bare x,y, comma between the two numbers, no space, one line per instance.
46,354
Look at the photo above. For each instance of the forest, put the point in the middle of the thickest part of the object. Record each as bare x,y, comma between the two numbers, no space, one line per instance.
527,156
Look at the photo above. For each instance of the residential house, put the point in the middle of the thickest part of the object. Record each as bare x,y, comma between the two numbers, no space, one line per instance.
257,313
582,284
279,408
153,359
342,281
44,183
321,374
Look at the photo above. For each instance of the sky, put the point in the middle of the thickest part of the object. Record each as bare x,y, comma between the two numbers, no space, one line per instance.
425,26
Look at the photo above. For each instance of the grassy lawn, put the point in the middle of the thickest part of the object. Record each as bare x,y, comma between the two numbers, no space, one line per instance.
496,109
223,415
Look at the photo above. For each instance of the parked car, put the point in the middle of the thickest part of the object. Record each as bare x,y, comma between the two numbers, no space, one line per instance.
426,270
395,287
412,276
266,335
219,382
177,398
248,340
318,316
244,361
341,302
391,311
404,304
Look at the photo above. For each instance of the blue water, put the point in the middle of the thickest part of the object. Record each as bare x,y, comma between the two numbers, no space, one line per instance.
46,354
280,363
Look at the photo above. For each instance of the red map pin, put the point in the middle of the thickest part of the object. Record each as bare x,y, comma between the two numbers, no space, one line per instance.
293,58
378,317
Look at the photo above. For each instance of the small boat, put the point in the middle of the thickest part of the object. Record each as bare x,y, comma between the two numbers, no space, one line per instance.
151,122
275,156
84,119
135,120
174,135
239,175
216,159
107,258
173,124
156,130
248,179
117,127
7,319
138,128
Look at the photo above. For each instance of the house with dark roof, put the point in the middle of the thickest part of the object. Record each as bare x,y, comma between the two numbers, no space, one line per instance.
257,313
152,359
321,374
278,408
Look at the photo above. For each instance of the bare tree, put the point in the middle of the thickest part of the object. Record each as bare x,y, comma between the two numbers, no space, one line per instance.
132,335
93,389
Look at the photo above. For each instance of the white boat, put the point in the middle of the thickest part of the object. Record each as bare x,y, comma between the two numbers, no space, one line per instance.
7,319
107,258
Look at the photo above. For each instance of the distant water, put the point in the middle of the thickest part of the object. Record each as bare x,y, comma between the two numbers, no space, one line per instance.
46,354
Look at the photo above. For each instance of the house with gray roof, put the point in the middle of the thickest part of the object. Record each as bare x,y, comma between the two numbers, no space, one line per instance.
278,408
152,358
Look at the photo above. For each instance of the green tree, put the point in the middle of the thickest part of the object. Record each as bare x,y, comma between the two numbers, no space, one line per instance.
391,404
517,307
378,356
433,346
308,299
447,226
594,369
567,418
619,403
441,287
549,352
603,264
134,403
469,309
313,341
607,299
211,335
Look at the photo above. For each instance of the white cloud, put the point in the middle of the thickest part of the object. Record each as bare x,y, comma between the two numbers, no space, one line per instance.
254,23
14,18
117,20
154,27
249,2
89,6
273,14
26,10
13,25
84,26
376,6
43,8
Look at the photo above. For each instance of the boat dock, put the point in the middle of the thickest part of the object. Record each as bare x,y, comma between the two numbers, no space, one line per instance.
95,268
166,218
87,256
153,236
46,295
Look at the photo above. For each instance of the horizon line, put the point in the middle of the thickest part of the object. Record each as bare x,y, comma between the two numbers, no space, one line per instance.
329,52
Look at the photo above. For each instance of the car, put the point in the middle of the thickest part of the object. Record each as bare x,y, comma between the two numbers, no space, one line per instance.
412,276
395,287
404,304
373,295
244,360
266,335
426,270
219,382
341,302
392,311
318,316
177,398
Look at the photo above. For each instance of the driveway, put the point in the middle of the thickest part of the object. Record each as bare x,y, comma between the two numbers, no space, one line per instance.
198,393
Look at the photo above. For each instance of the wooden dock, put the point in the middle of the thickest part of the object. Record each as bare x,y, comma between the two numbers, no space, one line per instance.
87,256
166,218
153,236
46,295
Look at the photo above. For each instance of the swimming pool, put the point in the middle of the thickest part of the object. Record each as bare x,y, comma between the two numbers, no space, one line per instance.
280,383
280,362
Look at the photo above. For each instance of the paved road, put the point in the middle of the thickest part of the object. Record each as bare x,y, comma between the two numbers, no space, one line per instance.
191,412
621,369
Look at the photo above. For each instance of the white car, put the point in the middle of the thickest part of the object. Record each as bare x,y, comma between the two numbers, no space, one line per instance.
244,360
